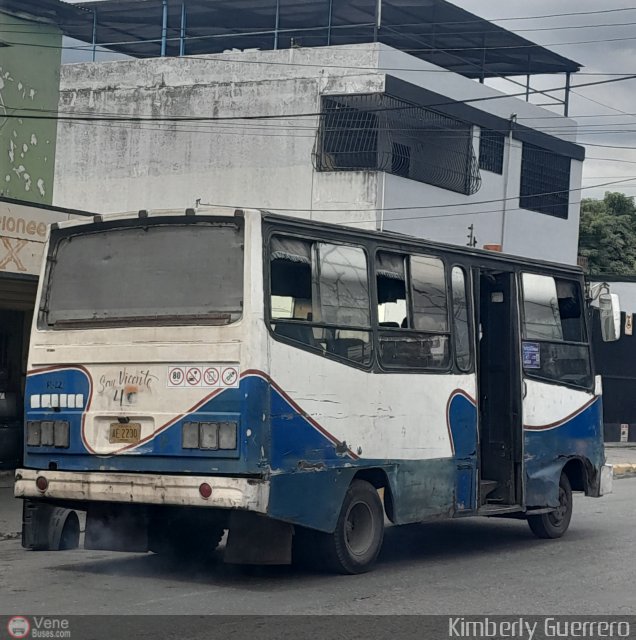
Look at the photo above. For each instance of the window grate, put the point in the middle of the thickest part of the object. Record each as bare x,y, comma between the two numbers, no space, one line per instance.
491,151
376,132
545,181
401,160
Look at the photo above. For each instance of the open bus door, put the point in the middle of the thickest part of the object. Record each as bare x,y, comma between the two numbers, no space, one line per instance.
499,383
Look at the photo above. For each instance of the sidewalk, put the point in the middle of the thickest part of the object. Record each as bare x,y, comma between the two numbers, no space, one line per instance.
622,456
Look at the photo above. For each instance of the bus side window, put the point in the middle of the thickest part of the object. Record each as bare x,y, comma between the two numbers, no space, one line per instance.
341,303
555,346
390,274
428,285
461,328
320,297
290,288
421,340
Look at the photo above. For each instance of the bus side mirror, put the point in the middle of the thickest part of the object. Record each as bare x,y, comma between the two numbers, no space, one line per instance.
610,309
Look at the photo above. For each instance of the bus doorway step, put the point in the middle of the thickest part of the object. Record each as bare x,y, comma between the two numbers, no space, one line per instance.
498,509
486,487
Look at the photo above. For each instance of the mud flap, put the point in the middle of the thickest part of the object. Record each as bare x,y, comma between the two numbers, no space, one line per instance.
116,528
255,539
49,528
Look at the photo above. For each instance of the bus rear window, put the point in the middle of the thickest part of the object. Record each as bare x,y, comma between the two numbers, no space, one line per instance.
153,274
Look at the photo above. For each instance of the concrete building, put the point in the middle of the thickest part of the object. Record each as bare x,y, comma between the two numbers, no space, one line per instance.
30,48
30,52
23,232
366,134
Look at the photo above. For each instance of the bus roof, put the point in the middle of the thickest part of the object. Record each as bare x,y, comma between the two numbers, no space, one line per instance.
406,242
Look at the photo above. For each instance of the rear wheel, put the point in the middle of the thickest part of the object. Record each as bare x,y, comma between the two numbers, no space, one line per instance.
555,523
354,546
70,533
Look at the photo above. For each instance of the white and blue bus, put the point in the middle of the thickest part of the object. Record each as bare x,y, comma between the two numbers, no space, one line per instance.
295,382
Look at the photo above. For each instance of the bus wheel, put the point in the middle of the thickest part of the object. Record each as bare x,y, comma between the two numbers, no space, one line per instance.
555,523
70,533
354,546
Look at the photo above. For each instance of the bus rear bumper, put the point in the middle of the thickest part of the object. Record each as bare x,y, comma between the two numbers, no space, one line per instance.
143,488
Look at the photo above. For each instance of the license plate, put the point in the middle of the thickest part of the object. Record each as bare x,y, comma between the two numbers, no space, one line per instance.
128,433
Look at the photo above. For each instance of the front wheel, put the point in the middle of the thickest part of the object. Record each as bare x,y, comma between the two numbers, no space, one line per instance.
555,523
355,544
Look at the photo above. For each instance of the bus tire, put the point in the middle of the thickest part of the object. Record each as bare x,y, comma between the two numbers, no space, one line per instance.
70,533
355,544
555,524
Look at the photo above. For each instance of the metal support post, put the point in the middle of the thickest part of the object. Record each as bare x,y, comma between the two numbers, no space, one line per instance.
164,28
182,32
94,39
277,24
378,20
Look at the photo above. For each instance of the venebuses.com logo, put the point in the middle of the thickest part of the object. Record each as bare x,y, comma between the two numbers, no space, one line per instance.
18,627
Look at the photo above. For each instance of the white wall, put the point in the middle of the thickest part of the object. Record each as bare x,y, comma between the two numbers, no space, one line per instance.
111,166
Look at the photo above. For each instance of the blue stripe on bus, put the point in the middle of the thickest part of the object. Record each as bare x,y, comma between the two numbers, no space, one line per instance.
579,435
294,443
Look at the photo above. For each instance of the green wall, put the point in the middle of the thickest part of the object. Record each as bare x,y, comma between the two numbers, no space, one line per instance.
29,80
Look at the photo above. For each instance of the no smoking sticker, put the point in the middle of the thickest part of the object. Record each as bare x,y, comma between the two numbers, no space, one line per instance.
209,376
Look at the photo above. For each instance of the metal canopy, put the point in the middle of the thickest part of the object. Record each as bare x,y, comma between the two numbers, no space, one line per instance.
433,30
49,11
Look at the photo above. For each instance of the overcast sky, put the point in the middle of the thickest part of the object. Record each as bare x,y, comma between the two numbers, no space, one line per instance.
618,56
609,126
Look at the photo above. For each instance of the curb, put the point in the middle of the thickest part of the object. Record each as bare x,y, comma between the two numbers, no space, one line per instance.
624,470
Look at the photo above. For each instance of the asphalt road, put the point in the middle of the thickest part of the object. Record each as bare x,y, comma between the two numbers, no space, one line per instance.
475,566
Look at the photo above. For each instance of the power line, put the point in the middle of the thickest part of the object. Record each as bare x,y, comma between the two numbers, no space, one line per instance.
247,129
479,20
244,31
439,206
556,15
524,46
232,130
428,48
50,116
582,115
414,217
610,160
608,146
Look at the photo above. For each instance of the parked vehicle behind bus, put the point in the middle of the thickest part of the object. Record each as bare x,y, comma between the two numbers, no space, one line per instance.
293,382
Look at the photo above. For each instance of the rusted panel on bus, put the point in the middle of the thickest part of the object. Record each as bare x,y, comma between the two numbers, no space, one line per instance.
423,489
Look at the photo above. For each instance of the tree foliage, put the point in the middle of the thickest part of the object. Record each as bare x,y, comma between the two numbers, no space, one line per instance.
608,234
